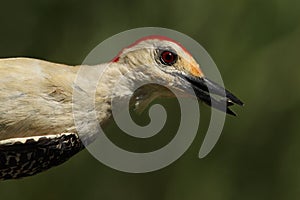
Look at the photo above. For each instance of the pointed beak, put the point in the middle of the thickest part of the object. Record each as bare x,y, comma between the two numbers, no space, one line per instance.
204,87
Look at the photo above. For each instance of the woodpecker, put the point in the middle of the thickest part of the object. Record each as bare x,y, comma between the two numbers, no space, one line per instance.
37,128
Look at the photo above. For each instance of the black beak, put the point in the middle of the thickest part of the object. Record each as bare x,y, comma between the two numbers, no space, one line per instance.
203,87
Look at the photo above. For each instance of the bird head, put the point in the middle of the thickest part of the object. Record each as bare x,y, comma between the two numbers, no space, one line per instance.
162,59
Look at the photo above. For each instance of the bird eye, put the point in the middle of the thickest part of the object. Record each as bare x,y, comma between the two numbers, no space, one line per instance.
168,57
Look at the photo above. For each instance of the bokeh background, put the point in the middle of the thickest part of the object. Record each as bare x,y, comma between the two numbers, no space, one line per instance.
255,44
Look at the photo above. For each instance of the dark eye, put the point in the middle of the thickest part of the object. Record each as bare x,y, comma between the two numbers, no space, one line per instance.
168,57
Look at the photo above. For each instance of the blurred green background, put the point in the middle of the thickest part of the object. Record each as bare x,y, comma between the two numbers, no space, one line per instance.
255,44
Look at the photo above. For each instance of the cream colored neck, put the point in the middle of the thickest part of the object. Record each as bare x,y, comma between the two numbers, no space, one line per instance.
36,96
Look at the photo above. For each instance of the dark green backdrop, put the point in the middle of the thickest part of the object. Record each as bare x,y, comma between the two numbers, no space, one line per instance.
256,46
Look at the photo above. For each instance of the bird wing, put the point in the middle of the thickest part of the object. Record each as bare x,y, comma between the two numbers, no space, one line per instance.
35,116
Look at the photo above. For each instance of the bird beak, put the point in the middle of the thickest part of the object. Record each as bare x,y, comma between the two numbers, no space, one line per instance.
204,87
